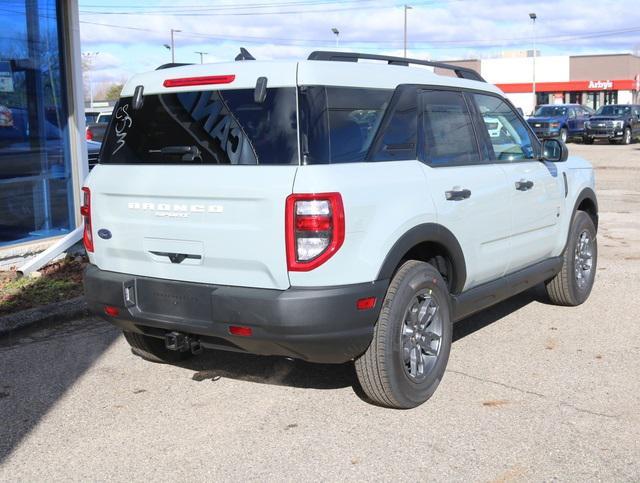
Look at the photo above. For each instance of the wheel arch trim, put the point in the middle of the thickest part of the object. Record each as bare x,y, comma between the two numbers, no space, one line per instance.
586,194
427,233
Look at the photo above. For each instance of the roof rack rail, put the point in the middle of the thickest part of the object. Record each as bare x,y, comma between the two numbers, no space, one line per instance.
172,65
462,72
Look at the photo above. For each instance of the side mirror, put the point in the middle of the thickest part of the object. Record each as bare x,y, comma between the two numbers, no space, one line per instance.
554,150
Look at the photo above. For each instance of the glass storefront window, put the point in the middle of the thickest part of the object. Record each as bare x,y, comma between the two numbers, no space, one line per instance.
611,97
36,199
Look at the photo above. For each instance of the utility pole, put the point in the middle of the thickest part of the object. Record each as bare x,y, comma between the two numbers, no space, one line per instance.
533,18
201,54
406,7
173,47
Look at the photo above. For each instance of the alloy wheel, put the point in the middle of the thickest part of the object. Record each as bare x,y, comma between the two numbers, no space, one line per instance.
584,259
421,335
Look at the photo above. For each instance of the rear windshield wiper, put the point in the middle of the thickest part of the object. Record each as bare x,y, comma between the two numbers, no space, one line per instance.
188,153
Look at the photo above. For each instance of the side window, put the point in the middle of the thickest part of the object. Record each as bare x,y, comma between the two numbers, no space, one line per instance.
397,138
572,113
447,126
340,123
508,134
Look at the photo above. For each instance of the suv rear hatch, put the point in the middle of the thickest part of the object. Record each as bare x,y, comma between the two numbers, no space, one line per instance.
192,185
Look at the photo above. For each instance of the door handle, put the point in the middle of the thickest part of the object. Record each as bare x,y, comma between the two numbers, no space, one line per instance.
524,185
457,194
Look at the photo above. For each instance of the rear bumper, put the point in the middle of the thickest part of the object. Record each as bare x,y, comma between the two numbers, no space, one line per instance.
319,324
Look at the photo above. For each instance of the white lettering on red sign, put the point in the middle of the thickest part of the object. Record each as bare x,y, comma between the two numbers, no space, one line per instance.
607,84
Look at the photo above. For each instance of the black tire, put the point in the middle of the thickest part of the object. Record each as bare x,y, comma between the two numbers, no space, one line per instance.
587,140
153,349
567,288
626,137
564,135
383,371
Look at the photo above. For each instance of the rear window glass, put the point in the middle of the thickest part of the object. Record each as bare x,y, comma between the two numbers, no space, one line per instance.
340,123
205,127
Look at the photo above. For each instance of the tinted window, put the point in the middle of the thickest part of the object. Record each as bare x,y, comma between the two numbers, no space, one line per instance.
340,123
512,141
397,137
613,110
449,138
205,127
550,111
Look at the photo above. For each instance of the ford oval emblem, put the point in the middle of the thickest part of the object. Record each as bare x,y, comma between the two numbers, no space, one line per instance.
104,234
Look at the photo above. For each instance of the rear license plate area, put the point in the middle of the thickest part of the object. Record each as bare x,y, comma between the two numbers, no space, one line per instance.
175,300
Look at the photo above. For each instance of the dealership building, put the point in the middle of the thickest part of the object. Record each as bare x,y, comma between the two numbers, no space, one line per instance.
42,148
591,80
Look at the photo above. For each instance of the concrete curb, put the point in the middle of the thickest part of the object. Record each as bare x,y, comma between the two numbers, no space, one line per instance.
65,310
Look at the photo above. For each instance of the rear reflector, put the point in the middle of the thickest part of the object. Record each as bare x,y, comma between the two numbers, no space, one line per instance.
199,81
366,303
240,330
111,310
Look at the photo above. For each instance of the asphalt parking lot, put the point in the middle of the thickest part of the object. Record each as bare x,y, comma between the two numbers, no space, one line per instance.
532,392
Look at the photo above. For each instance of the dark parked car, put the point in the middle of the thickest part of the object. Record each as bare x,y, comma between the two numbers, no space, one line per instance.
562,121
615,122
95,130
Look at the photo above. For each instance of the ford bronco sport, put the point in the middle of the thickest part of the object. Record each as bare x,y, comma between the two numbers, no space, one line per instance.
330,210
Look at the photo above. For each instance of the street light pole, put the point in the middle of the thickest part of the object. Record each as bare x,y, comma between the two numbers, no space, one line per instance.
201,54
90,56
406,7
173,49
533,18
336,32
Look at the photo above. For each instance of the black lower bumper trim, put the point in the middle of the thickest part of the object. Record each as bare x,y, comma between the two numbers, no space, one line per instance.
319,324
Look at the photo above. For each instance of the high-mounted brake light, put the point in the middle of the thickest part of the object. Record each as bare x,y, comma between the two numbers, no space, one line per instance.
199,81
240,330
314,229
85,211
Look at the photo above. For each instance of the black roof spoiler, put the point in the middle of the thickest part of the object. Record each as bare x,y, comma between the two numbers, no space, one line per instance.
461,72
172,65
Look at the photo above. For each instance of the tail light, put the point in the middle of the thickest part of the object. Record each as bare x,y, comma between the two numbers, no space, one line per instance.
314,229
85,211
88,134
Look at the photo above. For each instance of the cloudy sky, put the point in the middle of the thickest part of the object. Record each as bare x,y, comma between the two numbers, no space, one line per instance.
129,35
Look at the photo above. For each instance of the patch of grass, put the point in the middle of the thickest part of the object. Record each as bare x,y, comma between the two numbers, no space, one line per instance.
59,281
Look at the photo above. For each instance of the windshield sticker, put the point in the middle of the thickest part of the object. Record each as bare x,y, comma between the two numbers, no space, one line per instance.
123,122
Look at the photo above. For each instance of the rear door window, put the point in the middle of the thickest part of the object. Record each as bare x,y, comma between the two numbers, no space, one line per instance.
448,135
205,127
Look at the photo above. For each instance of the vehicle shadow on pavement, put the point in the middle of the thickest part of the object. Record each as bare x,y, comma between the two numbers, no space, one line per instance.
492,314
37,367
278,371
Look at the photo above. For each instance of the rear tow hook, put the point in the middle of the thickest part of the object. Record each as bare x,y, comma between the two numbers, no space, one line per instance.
175,341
